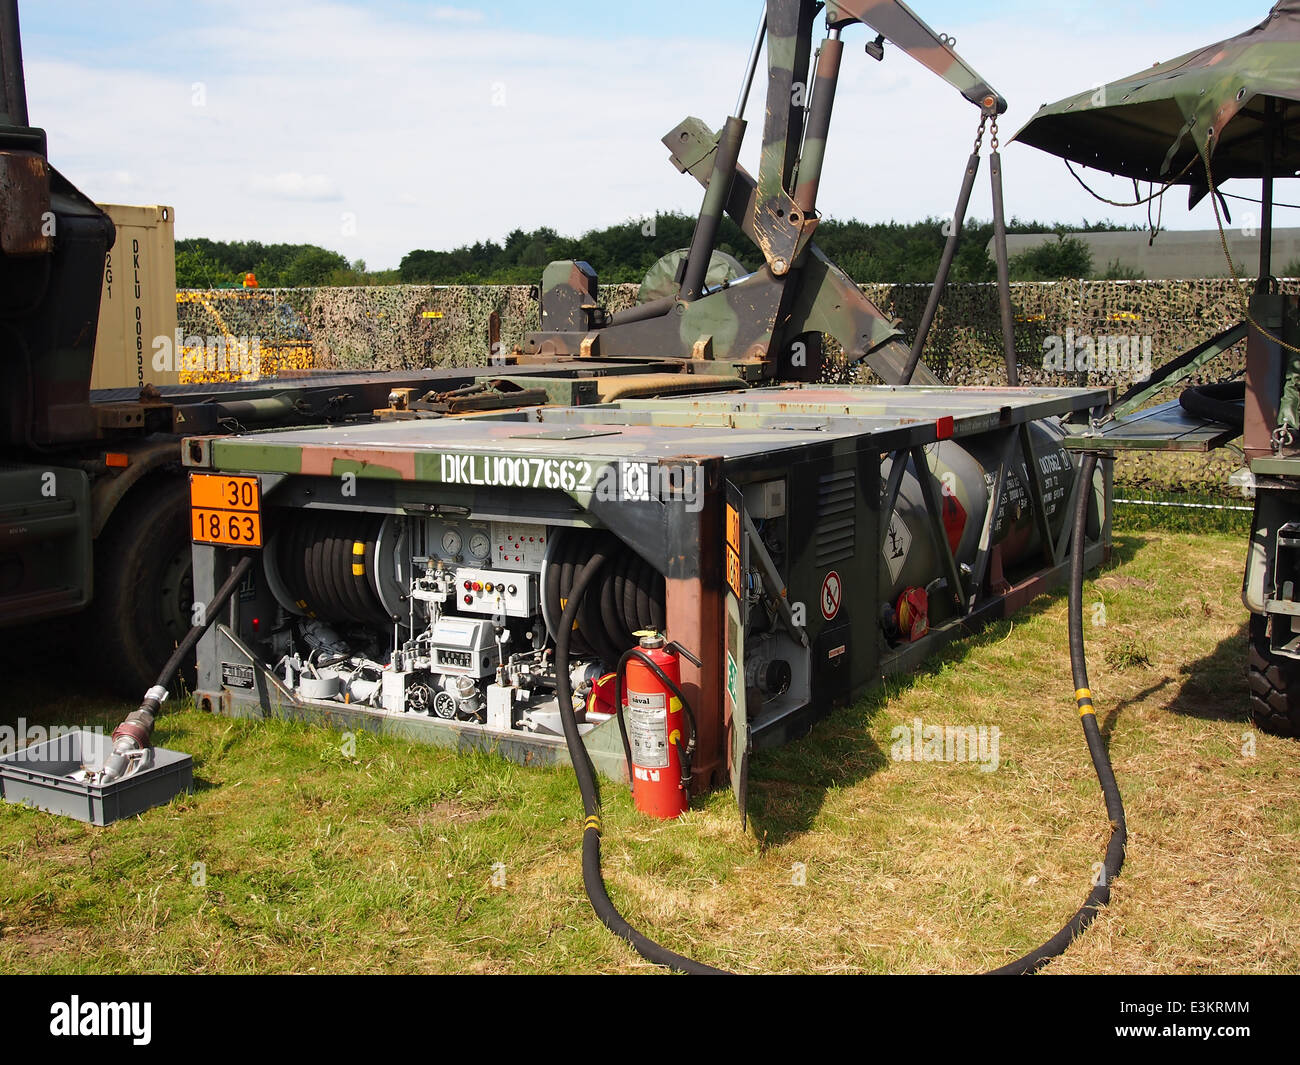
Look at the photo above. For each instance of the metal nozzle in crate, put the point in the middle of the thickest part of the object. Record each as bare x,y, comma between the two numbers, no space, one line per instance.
58,776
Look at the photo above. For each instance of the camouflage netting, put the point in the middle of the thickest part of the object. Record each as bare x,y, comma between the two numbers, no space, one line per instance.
407,326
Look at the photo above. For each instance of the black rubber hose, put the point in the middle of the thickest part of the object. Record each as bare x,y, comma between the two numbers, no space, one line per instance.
658,601
571,552
591,623
318,567
139,723
365,533
351,587
644,615
211,611
610,590
629,595
292,547
349,535
1222,402
592,878
377,610
1100,894
653,952
338,553
551,584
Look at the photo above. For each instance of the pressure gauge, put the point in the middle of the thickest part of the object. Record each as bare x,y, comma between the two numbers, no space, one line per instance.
451,543
479,545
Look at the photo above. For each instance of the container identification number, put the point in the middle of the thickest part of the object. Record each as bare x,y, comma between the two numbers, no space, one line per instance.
505,471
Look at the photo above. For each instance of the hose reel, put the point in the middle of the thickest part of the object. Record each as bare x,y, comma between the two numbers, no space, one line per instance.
626,596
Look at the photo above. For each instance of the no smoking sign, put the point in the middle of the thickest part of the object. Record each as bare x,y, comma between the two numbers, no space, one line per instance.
832,595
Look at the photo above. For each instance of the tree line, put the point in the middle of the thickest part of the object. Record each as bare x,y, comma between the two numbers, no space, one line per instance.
890,252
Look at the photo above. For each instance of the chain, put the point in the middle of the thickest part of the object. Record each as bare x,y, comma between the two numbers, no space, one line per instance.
979,135
993,144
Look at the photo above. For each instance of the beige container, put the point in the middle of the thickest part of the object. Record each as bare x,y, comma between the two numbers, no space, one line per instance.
138,304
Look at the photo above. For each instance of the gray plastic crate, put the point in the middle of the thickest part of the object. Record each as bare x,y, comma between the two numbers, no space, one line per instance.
39,776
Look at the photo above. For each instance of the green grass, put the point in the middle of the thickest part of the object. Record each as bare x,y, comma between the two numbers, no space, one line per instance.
1147,510
384,862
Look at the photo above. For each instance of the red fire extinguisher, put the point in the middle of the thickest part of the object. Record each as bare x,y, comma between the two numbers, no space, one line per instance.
657,728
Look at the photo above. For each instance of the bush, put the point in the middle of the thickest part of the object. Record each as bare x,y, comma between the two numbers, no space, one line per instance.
1068,258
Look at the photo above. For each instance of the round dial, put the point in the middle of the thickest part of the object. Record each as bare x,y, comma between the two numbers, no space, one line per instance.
479,545
451,542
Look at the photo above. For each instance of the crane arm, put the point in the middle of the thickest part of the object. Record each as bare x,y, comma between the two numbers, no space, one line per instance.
907,31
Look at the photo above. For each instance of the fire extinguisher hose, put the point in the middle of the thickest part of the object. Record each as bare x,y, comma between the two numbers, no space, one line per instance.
594,881
592,878
685,749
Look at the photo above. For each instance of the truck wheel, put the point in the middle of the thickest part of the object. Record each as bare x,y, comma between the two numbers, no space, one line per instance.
144,587
1274,684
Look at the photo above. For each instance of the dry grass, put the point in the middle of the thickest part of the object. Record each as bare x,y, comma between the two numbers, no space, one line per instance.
385,862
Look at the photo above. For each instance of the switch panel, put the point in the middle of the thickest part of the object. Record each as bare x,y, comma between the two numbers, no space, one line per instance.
492,592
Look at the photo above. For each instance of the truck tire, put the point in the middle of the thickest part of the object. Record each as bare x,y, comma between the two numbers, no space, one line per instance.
144,586
1274,684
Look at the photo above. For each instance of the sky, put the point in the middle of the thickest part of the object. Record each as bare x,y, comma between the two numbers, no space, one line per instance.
376,128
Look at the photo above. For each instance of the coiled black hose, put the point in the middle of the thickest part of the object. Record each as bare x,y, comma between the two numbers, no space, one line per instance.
593,879
627,596
1100,894
327,559
1222,402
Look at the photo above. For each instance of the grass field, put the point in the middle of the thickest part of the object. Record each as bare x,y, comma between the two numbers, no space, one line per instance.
293,856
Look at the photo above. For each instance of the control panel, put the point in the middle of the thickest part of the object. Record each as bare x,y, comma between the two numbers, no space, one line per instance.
496,592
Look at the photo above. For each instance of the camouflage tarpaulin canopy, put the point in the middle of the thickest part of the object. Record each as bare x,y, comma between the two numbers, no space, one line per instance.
1232,102
1148,125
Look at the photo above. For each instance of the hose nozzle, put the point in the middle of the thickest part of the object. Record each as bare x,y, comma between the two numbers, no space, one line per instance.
132,739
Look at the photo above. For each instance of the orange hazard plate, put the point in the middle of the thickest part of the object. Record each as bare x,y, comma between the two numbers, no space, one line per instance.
225,510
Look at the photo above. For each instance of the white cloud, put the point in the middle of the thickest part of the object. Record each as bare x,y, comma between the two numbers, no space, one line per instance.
295,186
317,111
456,14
